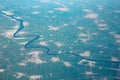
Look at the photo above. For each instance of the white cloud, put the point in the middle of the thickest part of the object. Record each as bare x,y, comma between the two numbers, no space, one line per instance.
100,7
43,43
117,11
8,12
45,0
118,41
101,24
19,75
35,58
35,6
67,64
85,54
81,28
22,64
2,70
82,35
53,28
59,44
22,32
87,10
88,73
22,43
114,59
35,12
92,16
55,59
63,9
82,61
91,63
35,77
36,53
25,23
9,33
